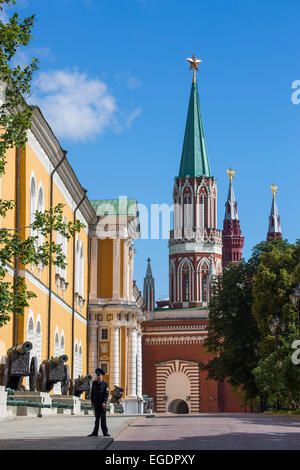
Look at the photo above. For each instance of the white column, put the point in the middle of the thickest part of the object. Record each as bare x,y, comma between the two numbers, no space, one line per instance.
114,357
132,363
94,267
139,366
93,347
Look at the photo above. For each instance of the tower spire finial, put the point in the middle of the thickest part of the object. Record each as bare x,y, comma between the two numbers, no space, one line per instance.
231,173
274,190
194,65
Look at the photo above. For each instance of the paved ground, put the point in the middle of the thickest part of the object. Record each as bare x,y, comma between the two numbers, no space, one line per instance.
57,433
209,432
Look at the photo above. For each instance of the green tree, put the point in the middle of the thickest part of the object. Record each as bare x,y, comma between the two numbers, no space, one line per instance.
15,120
233,334
273,283
278,378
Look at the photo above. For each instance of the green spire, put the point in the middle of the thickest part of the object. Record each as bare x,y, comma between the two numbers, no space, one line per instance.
194,159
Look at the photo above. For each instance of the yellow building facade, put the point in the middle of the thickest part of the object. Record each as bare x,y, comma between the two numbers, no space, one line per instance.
92,310
116,308
56,320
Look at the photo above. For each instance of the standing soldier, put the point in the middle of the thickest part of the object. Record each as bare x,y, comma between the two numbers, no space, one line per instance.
99,398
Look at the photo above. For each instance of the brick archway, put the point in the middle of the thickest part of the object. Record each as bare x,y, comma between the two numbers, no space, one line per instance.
190,369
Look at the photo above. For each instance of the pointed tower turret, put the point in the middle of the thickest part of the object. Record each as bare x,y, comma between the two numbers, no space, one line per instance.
194,158
195,236
149,291
233,241
274,231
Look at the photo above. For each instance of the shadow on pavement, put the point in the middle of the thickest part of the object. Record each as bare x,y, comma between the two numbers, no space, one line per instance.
59,443
233,441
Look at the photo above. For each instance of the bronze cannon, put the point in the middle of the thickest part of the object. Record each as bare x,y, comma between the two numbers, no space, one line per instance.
80,385
116,394
18,365
53,371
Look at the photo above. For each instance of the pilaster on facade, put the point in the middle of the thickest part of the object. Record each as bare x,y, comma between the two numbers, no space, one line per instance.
132,363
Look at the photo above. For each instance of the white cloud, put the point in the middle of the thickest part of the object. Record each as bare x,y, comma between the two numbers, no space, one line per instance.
76,106
130,81
132,116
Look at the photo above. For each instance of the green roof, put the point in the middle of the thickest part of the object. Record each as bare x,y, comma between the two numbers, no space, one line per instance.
194,159
122,206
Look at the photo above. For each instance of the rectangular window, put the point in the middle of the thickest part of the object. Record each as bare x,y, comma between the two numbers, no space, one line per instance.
104,366
104,334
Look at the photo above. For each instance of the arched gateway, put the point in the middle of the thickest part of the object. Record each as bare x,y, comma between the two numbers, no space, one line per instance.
177,386
178,407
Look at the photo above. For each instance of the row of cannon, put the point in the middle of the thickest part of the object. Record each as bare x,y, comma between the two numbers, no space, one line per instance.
18,364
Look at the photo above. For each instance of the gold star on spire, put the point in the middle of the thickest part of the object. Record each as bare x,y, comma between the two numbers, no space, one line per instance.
194,66
231,173
274,190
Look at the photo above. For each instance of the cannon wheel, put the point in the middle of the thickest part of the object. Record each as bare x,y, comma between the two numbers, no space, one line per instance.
4,372
66,381
33,374
42,379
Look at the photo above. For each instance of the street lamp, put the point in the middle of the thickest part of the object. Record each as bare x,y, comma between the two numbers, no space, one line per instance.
295,297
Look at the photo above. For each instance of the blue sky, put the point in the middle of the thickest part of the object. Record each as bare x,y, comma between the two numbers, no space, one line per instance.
117,68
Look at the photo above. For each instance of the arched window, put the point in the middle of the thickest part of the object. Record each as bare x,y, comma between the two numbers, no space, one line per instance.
56,344
59,241
76,361
62,342
204,288
56,388
38,342
65,248
188,212
80,361
33,203
31,338
77,267
81,271
41,208
186,289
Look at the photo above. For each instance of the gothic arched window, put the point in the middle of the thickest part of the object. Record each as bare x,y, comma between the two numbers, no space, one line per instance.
204,288
186,289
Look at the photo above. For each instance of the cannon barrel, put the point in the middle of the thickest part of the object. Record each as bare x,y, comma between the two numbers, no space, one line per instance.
22,348
59,359
82,379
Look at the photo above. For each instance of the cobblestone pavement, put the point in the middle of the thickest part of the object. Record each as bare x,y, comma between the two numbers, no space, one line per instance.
220,431
57,432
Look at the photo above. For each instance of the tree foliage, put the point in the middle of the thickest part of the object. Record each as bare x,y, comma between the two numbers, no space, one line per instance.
15,121
232,332
246,299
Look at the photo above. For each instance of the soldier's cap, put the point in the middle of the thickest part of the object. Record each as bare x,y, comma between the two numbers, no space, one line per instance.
99,372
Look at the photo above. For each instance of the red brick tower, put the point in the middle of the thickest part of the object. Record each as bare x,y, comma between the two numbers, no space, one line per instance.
233,241
195,236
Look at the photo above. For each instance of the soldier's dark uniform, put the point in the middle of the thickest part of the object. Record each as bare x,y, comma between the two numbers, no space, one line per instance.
99,395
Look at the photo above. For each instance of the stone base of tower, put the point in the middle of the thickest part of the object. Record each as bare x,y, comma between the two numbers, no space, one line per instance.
172,353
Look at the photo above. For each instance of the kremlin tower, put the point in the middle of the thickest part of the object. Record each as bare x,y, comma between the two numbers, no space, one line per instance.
195,243
149,291
274,231
233,241
173,337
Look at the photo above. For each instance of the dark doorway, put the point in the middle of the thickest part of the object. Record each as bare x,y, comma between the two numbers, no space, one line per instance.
178,407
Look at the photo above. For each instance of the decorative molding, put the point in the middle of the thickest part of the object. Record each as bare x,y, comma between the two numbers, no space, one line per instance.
175,327
175,340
